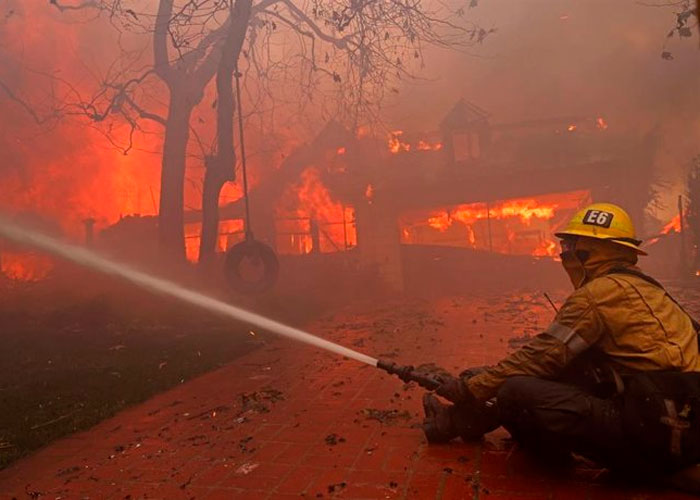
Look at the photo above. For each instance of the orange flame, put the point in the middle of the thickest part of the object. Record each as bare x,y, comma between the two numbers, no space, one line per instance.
526,210
427,146
230,233
571,128
307,207
395,143
519,226
673,225
25,266
601,123
547,248
441,221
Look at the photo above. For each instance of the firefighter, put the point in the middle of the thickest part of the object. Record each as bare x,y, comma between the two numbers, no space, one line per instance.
615,377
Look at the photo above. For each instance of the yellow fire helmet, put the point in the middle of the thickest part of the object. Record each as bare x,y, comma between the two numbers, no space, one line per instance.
603,221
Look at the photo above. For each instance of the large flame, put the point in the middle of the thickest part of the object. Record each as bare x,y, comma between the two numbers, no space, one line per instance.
525,210
72,171
307,207
519,226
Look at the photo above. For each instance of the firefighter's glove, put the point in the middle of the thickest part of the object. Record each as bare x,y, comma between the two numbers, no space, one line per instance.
454,389
472,372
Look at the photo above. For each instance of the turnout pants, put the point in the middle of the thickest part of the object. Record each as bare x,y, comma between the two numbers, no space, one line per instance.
553,419
651,430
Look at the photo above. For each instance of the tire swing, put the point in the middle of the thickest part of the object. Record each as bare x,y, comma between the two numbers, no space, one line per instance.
250,266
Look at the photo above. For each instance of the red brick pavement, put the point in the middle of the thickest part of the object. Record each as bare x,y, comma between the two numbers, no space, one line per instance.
317,437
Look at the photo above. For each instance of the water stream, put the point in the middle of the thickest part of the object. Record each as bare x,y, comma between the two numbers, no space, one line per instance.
93,260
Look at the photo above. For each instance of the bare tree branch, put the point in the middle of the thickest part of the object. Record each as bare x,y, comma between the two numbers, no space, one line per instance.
22,103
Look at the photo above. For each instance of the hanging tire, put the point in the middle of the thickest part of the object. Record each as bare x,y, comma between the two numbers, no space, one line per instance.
251,267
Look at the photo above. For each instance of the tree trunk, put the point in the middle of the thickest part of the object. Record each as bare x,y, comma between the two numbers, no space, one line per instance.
221,167
214,179
171,214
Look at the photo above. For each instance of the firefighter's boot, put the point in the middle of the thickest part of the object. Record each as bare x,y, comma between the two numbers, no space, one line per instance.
437,425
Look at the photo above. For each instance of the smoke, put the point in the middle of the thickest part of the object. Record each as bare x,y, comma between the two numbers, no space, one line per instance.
573,58
594,58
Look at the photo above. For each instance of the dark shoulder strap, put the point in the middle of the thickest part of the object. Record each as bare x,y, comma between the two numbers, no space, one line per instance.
649,279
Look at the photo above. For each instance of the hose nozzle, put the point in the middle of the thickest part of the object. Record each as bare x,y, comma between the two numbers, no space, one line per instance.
408,373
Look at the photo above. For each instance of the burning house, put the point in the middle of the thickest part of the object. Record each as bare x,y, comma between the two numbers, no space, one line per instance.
405,207
472,190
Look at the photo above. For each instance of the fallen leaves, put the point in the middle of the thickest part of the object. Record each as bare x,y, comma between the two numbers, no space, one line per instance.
386,417
259,401
334,439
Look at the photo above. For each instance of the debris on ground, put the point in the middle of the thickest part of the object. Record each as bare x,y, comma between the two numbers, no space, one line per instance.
386,417
259,401
334,439
67,471
295,427
243,445
334,488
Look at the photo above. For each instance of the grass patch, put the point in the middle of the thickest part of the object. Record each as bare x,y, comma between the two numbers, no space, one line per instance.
70,360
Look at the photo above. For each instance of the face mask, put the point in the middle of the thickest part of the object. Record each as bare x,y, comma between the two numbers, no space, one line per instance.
572,261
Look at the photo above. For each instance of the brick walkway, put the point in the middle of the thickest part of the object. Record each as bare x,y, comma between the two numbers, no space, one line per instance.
288,421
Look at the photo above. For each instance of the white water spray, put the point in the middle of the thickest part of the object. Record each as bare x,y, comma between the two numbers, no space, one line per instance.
97,262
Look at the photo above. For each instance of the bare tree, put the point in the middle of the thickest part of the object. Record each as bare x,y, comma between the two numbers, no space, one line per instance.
339,54
686,14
